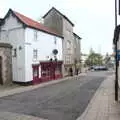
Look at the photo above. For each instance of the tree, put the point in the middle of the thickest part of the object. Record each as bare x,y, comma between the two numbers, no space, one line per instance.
107,58
94,58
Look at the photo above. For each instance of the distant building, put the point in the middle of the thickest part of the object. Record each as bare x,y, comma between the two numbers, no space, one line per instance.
55,20
29,51
1,20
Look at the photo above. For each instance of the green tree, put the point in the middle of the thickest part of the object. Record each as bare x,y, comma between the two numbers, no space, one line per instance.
94,58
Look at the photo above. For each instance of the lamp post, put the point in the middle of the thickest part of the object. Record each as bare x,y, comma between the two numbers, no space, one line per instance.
116,62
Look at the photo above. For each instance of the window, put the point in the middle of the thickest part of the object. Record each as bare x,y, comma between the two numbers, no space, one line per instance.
35,53
67,59
68,44
14,52
35,72
68,32
55,41
35,35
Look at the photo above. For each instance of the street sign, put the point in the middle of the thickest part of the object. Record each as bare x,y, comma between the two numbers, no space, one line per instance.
118,55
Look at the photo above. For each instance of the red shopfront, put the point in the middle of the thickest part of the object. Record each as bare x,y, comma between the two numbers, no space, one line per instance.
47,71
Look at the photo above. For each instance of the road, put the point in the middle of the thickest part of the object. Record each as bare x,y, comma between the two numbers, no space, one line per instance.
62,101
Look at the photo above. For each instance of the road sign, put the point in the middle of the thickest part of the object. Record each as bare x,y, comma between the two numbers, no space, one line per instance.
118,55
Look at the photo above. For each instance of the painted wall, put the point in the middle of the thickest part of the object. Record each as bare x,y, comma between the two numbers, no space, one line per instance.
23,40
44,43
12,32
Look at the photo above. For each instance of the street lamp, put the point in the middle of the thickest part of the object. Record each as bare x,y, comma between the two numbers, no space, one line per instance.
116,71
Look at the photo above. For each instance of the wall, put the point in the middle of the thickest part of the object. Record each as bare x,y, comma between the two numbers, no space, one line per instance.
54,21
77,48
68,36
57,22
5,53
44,44
12,32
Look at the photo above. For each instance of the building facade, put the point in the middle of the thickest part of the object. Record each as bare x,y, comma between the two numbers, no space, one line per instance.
32,46
60,23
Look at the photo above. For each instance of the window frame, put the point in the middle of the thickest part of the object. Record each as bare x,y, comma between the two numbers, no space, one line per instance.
35,54
35,35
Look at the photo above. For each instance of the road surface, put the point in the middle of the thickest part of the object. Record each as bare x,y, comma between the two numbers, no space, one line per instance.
62,101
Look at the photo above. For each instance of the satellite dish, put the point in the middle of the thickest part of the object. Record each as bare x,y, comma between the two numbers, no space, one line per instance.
55,51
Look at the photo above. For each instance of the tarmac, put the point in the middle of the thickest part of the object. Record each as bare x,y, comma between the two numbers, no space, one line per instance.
101,107
14,89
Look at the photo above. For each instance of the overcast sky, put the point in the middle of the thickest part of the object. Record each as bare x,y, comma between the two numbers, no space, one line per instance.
93,19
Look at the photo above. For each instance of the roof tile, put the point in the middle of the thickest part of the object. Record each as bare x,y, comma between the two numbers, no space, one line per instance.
34,24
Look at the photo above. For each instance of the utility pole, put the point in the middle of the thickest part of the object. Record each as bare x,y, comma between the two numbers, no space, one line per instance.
116,62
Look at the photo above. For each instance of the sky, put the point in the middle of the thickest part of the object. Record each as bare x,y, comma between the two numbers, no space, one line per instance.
93,19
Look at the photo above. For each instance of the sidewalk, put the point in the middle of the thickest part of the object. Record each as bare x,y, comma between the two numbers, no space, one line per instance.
103,106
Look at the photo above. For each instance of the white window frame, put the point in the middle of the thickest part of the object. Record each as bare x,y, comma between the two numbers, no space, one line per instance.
67,59
35,54
35,35
55,40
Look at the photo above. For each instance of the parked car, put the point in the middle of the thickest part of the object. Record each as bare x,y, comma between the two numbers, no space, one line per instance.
100,68
90,68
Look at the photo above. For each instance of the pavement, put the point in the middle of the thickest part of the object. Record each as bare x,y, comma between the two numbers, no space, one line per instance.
103,106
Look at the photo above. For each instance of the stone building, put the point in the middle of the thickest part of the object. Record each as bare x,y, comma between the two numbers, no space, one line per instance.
5,63
71,43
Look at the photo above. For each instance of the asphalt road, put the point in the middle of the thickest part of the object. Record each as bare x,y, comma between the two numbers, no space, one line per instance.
63,101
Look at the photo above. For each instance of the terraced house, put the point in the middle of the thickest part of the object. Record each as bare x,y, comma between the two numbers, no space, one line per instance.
29,51
55,20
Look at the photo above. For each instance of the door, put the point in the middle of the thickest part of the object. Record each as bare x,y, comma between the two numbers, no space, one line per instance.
1,80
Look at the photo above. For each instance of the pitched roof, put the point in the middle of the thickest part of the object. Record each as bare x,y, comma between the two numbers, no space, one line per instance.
28,22
77,36
59,13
